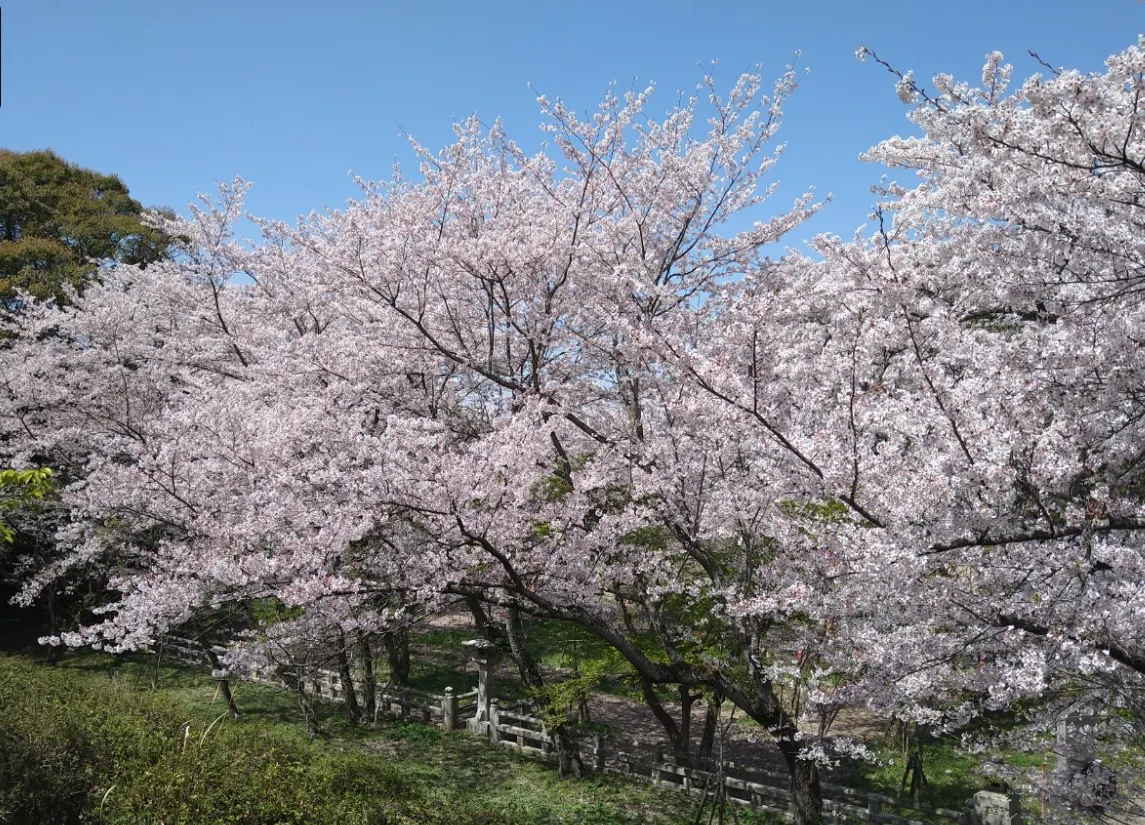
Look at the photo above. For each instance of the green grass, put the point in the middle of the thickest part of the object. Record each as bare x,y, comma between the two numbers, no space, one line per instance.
447,639
108,733
952,777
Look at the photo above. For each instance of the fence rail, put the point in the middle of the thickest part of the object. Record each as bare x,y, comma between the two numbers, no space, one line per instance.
407,703
753,788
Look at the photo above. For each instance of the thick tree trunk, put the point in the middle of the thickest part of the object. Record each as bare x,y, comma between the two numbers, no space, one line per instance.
396,643
530,672
626,617
806,794
349,695
224,683
711,724
369,678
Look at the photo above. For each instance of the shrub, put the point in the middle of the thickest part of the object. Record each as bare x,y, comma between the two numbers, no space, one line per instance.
76,748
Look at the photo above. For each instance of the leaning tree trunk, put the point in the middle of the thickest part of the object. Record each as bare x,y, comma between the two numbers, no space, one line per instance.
526,664
678,735
711,724
396,643
224,682
369,677
480,619
569,763
349,695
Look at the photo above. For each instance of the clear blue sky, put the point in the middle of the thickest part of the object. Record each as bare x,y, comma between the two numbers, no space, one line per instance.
173,96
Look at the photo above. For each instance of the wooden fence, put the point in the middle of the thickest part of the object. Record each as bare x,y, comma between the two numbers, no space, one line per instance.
513,725
445,709
749,787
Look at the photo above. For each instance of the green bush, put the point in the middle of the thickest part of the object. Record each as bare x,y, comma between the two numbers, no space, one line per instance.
77,748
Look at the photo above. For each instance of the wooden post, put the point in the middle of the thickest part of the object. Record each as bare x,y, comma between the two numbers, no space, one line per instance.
874,807
494,734
598,753
448,711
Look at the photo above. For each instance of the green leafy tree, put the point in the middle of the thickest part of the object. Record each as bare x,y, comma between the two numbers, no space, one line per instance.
22,489
59,222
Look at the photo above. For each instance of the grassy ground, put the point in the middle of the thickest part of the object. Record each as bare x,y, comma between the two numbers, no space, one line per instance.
952,777
556,647
176,760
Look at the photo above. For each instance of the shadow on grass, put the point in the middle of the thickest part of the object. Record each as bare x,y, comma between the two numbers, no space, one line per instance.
952,777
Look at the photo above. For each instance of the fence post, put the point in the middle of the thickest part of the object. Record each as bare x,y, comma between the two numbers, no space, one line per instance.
546,741
598,753
448,711
874,807
494,721
657,759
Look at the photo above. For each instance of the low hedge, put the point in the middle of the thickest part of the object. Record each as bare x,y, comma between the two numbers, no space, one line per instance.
76,747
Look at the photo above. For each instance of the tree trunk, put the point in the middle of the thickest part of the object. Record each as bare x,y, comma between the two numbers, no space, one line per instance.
530,673
55,652
396,643
915,773
626,617
224,683
370,679
480,620
806,794
687,699
569,763
711,724
676,735
349,695
293,681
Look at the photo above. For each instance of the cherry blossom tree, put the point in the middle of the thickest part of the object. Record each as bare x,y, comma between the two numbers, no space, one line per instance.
560,383
1000,293
452,386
